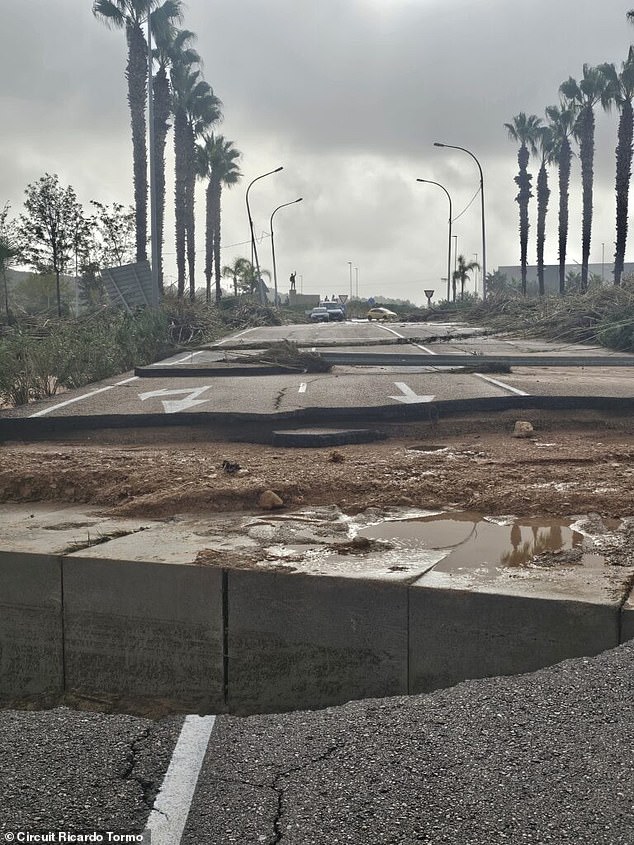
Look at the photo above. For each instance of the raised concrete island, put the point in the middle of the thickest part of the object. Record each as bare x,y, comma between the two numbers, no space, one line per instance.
247,613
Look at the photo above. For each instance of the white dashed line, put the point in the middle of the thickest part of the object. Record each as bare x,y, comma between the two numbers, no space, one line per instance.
417,345
302,387
501,384
234,336
187,357
83,396
173,802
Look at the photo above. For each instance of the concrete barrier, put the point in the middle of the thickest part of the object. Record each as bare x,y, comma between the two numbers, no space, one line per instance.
300,641
457,634
31,650
144,632
627,620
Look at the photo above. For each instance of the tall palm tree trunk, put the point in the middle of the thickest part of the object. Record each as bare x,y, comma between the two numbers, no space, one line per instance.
136,74
190,224
565,160
161,126
217,206
543,194
180,198
523,181
586,155
623,174
209,241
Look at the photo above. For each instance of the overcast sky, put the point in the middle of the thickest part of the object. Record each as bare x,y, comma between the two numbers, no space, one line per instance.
347,95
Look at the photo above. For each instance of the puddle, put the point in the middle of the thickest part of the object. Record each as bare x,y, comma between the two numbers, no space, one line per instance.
471,541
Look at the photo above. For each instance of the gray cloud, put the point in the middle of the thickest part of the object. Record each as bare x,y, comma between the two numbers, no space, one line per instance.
349,96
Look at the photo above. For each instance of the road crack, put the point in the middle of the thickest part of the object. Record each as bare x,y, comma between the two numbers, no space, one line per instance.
280,789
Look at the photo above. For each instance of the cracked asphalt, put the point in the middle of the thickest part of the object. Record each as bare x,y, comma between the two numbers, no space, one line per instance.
546,757
62,769
540,758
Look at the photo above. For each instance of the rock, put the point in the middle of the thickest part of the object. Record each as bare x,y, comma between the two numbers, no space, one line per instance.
269,501
523,429
336,457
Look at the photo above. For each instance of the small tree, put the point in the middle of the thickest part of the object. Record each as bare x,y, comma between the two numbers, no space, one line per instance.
8,252
49,228
461,274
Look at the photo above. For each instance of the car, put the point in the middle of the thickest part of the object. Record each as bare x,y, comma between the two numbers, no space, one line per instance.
335,311
381,314
319,315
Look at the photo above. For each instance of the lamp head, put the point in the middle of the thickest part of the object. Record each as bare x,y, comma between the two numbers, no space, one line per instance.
299,199
277,170
438,144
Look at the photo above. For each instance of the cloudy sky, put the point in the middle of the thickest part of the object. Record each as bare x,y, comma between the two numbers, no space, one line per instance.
348,96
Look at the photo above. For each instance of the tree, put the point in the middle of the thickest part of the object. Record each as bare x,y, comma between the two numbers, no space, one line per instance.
586,94
216,162
545,148
49,229
461,274
8,252
561,122
619,91
113,232
172,45
131,15
236,272
195,108
524,130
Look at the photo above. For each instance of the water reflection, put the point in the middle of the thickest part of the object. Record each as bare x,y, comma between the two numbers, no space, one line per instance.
473,541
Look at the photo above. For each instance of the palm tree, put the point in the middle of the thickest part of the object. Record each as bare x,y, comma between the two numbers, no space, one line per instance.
587,93
619,90
217,162
461,274
172,45
524,130
236,272
131,15
195,108
545,147
561,121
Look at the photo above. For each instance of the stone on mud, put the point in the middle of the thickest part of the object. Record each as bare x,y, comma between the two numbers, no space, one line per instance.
523,429
270,500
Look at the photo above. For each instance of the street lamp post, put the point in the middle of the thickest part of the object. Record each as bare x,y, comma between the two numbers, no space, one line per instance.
254,251
299,199
429,182
356,281
350,266
484,248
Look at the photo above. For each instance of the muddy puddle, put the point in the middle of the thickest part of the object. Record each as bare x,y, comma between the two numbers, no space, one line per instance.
399,544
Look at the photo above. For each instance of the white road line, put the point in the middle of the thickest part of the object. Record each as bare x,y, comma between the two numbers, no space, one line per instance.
501,384
187,357
83,396
167,820
418,345
302,387
234,336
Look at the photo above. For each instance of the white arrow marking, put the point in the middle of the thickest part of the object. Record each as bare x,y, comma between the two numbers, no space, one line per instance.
409,397
181,404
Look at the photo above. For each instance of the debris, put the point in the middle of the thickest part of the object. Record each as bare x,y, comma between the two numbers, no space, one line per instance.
336,457
269,501
523,429
230,466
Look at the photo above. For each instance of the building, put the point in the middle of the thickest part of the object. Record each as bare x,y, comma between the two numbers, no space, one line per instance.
551,273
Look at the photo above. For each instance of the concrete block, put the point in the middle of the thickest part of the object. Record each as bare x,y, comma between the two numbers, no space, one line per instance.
141,632
457,634
31,650
298,641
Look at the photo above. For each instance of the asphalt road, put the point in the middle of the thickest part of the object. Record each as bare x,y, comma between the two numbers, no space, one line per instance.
344,386
541,758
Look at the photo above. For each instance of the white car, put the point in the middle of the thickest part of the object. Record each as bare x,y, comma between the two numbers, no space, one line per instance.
381,314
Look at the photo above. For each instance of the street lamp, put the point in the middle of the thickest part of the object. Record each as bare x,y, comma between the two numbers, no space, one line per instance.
299,199
254,251
350,265
429,182
484,248
156,276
